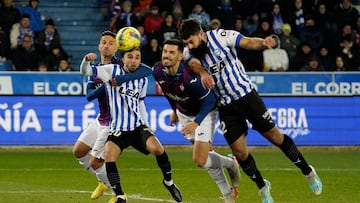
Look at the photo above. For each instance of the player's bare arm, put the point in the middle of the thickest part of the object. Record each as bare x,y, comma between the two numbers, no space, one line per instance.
257,43
173,118
206,79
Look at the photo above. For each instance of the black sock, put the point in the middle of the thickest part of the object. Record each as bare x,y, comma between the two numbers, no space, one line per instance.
249,167
293,153
165,166
114,177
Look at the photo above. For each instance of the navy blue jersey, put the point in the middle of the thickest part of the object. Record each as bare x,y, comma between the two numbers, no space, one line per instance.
184,90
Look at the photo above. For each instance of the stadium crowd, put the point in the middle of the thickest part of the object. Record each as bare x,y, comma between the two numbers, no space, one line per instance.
316,35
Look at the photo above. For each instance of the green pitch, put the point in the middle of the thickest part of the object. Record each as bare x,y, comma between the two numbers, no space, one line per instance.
43,175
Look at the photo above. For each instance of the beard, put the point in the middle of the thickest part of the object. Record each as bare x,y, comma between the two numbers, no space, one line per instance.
200,51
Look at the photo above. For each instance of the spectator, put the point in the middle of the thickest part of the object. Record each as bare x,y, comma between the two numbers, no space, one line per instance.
325,58
277,20
357,31
215,24
4,46
225,14
325,20
297,17
153,21
36,24
341,64
311,34
178,14
349,50
26,57
151,53
64,65
48,39
346,14
142,8
313,65
53,57
301,58
275,59
19,30
144,37
124,18
42,67
9,15
288,41
239,26
168,28
264,29
201,15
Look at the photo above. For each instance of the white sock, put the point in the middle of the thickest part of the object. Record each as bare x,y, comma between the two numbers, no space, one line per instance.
216,160
84,162
218,176
101,175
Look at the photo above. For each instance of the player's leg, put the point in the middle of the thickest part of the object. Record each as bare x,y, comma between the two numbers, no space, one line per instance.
205,157
154,146
255,110
235,127
112,152
97,162
83,146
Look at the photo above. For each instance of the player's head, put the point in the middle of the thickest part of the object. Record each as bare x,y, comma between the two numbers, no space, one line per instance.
193,36
107,46
131,59
172,52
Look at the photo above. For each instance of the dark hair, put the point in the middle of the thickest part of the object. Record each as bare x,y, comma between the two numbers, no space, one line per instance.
108,33
177,42
26,15
50,21
189,27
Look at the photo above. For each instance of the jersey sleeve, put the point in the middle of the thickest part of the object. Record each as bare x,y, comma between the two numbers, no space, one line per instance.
143,71
207,97
103,72
230,37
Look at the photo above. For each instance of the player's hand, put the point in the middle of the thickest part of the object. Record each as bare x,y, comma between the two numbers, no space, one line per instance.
189,128
173,118
206,80
90,57
269,42
114,83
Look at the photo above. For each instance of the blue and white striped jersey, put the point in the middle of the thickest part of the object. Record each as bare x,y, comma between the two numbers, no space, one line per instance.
126,100
228,73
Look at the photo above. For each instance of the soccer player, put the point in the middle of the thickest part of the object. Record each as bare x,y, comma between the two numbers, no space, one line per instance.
89,147
128,126
238,101
195,108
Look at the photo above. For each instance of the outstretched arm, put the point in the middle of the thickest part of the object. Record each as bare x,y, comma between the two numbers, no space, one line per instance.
257,43
142,71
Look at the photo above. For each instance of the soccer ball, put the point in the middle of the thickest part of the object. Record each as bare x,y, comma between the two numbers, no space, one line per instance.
128,38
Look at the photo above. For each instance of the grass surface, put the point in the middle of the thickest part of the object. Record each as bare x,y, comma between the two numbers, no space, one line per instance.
42,175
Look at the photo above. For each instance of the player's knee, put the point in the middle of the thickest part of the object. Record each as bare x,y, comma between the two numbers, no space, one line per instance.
199,161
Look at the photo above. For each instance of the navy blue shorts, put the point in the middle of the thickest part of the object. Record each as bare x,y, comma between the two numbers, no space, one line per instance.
234,116
136,138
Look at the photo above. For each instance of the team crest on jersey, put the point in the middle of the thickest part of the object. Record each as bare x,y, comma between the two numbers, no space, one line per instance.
217,52
181,87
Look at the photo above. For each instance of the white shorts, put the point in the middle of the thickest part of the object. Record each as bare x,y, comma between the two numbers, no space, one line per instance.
205,131
95,136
